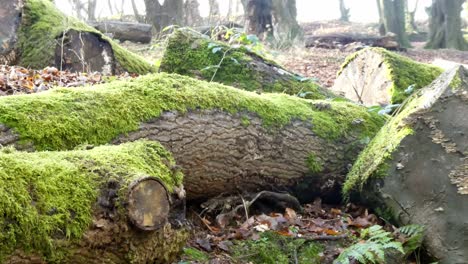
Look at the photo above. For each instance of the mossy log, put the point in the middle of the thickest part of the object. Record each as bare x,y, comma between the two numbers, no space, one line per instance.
225,139
375,76
110,204
35,34
339,40
416,168
136,32
194,54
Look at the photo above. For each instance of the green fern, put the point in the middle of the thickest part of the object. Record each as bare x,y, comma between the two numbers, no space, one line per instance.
371,250
415,235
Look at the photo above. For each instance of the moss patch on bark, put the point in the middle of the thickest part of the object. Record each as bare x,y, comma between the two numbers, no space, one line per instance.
64,118
193,54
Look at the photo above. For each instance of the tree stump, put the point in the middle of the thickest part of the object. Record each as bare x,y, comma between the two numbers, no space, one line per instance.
416,168
110,204
374,76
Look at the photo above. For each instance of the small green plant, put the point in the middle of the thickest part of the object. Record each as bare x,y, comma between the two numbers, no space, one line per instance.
415,235
371,249
273,248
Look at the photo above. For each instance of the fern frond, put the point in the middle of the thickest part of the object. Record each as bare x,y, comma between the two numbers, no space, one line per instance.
373,249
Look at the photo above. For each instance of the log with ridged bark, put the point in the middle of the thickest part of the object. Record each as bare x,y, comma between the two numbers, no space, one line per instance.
193,54
35,34
224,139
375,76
110,204
415,171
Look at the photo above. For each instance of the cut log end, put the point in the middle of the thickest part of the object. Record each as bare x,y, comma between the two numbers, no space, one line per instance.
84,52
148,204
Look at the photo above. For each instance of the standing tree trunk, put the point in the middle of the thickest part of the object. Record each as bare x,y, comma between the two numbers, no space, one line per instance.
138,17
275,19
214,11
445,25
381,18
161,16
259,18
92,10
393,17
192,13
344,11
411,26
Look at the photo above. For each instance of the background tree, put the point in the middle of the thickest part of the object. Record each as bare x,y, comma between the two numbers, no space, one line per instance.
276,18
92,10
392,13
162,15
411,26
192,13
344,11
445,25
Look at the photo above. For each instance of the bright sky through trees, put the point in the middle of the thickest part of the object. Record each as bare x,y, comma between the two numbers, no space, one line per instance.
308,10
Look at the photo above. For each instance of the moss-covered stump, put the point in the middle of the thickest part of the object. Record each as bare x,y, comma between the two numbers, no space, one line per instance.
194,54
40,36
224,138
375,76
416,168
110,204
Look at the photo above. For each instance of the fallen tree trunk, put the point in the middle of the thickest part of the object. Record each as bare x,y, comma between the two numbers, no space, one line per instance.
193,54
374,76
416,168
111,204
135,32
339,40
225,139
38,35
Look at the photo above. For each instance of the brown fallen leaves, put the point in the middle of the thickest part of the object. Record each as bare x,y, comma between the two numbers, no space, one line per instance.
19,80
317,222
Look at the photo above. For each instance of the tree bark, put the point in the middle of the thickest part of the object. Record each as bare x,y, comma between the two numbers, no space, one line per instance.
49,38
9,23
87,206
365,77
344,11
123,31
393,12
192,13
416,169
224,139
92,10
445,25
162,16
193,54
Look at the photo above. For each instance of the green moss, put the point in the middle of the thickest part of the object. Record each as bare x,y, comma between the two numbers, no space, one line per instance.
47,197
193,254
41,30
64,118
245,121
313,164
273,248
192,54
402,71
